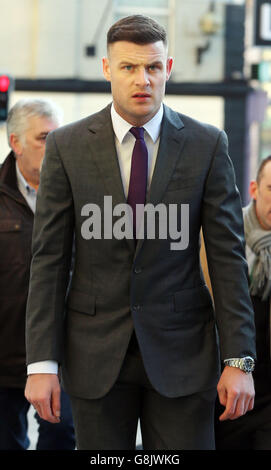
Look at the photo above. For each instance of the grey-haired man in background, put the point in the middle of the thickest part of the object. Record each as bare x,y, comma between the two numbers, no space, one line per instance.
28,124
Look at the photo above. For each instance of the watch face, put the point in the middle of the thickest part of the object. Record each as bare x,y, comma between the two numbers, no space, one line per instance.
248,364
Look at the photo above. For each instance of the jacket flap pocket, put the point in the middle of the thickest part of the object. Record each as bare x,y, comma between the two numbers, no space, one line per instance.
10,225
192,298
182,183
81,302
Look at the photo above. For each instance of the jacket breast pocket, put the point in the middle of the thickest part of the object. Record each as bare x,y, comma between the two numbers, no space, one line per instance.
10,225
81,302
180,183
12,243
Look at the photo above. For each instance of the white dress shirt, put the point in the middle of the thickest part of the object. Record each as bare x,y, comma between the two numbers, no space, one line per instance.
29,193
124,141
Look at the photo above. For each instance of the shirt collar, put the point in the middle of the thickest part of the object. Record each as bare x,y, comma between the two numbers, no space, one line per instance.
122,127
22,183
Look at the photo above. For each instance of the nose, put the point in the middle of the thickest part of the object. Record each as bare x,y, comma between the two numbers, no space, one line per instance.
142,77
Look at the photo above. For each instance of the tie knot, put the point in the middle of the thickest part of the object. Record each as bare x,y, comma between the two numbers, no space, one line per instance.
138,132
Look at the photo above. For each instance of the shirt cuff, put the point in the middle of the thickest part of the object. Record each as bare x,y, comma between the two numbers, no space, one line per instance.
42,367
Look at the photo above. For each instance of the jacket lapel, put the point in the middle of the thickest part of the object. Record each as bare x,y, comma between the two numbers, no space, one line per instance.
104,153
170,147
8,181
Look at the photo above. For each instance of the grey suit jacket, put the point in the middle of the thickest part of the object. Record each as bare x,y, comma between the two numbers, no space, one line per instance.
116,287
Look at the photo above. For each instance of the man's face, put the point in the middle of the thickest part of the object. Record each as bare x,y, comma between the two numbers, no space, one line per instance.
261,193
138,75
30,148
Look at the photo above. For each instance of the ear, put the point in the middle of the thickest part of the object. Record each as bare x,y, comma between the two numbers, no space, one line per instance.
253,190
169,67
106,69
16,144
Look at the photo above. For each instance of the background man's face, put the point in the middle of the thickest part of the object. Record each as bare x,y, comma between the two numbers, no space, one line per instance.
138,75
30,148
261,193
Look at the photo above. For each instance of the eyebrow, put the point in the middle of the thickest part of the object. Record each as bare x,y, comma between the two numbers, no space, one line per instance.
128,62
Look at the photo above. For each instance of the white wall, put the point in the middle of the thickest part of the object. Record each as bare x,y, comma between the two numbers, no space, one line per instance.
47,38
188,37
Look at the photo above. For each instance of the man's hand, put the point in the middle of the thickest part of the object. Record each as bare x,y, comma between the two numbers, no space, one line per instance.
236,392
43,392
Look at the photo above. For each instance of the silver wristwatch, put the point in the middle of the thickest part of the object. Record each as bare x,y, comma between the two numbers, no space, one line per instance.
246,364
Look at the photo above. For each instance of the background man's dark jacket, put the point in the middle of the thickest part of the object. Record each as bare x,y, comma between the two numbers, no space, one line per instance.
16,224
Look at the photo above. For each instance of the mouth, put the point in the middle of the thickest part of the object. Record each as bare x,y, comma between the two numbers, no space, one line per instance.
141,96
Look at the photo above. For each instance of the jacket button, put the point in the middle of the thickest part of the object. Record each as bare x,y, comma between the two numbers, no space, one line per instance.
137,270
136,307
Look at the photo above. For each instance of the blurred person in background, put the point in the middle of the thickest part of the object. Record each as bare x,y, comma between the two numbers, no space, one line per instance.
253,431
28,125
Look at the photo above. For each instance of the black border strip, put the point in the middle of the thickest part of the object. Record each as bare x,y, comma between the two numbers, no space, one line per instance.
230,88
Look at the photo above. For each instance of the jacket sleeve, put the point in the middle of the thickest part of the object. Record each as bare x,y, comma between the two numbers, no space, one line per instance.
50,267
222,224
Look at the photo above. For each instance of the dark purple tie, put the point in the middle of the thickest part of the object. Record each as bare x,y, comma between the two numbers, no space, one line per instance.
139,172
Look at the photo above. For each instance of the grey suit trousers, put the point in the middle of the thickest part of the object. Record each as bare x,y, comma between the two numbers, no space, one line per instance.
110,423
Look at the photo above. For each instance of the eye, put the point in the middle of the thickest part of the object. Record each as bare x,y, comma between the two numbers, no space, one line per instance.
155,67
128,67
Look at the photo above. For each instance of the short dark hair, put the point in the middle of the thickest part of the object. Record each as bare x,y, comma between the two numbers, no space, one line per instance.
139,29
261,168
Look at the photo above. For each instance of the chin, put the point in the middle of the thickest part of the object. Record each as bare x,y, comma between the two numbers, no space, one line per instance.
267,225
144,113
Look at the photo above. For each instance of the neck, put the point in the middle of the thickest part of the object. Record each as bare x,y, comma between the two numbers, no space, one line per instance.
136,121
31,178
262,224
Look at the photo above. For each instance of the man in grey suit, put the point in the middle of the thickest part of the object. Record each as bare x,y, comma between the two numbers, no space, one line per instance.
136,336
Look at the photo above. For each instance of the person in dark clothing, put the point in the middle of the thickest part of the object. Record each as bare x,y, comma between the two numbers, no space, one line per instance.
28,124
253,431
135,336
